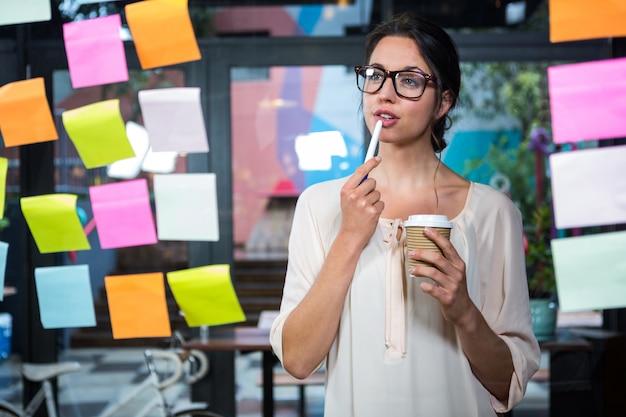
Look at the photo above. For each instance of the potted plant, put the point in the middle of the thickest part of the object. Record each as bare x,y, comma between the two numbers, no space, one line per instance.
520,172
518,164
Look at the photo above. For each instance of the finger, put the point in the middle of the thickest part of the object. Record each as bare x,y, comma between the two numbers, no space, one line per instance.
443,242
361,173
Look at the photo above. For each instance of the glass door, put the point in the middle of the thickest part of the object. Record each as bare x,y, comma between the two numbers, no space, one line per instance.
292,126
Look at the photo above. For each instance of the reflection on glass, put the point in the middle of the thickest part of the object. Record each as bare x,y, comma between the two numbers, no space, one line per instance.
291,127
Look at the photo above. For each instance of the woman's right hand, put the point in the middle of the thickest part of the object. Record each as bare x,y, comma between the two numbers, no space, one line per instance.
361,205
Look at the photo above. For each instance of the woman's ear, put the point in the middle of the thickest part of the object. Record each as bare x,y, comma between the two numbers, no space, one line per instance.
447,98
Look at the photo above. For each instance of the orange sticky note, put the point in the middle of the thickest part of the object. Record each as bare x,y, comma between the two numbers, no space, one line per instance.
162,32
572,20
25,115
137,305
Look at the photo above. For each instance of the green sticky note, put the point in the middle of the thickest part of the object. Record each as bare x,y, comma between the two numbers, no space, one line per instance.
590,271
206,295
98,133
54,222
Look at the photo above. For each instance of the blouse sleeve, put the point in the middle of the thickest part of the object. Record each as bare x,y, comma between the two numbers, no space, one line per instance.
314,216
501,270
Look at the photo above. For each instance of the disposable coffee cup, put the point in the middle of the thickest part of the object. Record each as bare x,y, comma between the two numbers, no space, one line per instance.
415,238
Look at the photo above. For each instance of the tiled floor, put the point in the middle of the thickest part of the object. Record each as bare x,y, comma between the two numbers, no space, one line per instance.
108,372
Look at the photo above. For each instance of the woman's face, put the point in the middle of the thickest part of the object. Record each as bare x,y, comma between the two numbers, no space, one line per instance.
403,120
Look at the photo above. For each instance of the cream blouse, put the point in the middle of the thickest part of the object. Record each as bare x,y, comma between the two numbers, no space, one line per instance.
394,353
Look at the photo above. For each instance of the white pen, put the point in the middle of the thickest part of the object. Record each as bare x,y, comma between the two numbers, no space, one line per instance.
371,150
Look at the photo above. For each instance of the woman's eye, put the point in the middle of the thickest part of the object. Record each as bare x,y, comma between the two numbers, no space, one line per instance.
410,81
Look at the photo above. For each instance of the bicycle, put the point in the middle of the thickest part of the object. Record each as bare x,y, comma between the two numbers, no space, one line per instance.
188,367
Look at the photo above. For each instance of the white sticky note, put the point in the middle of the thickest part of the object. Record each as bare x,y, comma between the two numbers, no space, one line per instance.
186,207
4,251
589,187
174,119
24,11
590,271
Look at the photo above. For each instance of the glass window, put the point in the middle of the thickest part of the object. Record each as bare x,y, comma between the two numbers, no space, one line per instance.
295,127
71,175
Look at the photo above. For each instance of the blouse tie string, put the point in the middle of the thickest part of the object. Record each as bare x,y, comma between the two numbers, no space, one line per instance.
395,292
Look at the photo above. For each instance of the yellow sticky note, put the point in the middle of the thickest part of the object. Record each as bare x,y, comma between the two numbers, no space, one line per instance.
206,295
572,20
4,166
162,32
54,222
98,133
25,115
137,305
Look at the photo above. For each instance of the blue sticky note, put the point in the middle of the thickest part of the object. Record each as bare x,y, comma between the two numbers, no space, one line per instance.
65,298
4,250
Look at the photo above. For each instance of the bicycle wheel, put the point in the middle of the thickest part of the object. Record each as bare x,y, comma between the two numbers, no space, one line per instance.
7,410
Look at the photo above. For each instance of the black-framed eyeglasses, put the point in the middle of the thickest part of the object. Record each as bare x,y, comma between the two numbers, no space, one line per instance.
409,84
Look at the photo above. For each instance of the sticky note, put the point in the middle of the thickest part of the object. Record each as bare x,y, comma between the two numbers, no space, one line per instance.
129,168
174,119
98,133
123,214
589,187
572,20
95,51
137,305
4,167
186,206
587,100
4,251
162,32
590,271
24,11
65,297
206,295
25,115
54,222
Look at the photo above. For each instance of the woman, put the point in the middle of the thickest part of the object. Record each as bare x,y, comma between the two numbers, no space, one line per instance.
459,345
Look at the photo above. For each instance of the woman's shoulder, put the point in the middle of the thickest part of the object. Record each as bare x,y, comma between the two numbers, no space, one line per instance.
486,200
324,189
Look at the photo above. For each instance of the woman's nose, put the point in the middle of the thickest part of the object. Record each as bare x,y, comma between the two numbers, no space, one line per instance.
387,92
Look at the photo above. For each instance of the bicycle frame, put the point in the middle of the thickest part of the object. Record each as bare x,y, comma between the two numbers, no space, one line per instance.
151,382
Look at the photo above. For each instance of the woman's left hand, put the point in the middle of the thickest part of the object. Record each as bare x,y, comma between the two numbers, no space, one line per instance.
448,272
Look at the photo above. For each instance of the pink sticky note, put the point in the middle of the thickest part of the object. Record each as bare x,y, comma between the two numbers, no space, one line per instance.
588,100
95,51
123,214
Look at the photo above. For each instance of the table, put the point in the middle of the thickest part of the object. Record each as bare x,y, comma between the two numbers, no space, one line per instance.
586,372
244,339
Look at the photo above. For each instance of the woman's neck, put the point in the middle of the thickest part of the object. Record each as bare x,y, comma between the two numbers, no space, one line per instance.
407,168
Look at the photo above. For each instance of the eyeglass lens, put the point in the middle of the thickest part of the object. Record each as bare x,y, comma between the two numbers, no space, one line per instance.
410,84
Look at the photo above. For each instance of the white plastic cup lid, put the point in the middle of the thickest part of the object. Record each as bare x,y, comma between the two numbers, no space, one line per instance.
432,220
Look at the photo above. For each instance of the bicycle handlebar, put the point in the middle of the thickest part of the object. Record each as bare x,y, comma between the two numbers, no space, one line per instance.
167,355
203,366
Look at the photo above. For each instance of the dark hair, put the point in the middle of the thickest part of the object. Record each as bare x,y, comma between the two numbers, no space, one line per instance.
439,51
